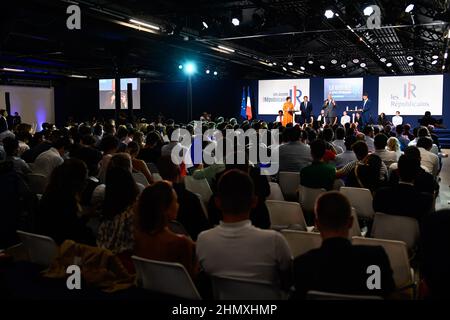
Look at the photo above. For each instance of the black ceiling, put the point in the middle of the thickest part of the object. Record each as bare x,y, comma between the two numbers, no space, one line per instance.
34,37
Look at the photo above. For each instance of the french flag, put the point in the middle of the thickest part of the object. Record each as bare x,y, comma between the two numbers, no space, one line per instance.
248,109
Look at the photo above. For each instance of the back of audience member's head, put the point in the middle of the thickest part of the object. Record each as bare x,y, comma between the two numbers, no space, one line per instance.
153,139
425,142
66,181
328,134
423,132
98,129
333,214
340,133
120,160
408,168
120,191
235,193
399,129
122,132
369,174
61,143
133,148
380,141
157,205
360,149
318,148
349,141
110,129
368,130
393,144
412,152
109,144
293,134
376,130
167,169
87,140
11,146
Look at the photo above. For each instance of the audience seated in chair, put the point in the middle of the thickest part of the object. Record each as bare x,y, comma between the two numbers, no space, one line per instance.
388,157
403,198
338,266
238,249
138,165
295,154
366,174
156,207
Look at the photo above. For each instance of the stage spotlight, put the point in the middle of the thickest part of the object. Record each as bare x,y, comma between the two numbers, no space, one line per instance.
322,67
443,67
329,14
270,64
303,68
235,21
434,62
383,59
435,56
284,68
274,63
411,63
362,65
215,73
190,68
445,55
409,58
180,66
355,60
205,25
388,64
290,63
207,71
368,10
343,66
310,61
334,61
409,8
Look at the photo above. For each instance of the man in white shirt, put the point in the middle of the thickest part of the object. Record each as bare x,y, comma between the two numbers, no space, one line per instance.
348,155
50,159
236,248
428,159
295,154
345,118
397,119
279,117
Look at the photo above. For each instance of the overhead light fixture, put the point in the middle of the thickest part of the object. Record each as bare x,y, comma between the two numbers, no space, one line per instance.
443,67
290,63
355,60
362,65
350,28
322,67
411,63
226,49
180,66
205,25
145,24
409,58
270,64
446,55
409,8
310,61
274,63
12,70
190,68
284,68
329,14
368,10
77,76
434,62
383,59
235,21
389,64
333,61
207,71
343,66
303,68
435,56
215,73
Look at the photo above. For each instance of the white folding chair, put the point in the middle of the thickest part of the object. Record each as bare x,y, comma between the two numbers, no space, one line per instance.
285,215
308,197
40,249
400,228
165,277
289,183
320,295
301,242
227,288
275,192
397,252
37,182
355,230
139,177
200,186
156,177
361,199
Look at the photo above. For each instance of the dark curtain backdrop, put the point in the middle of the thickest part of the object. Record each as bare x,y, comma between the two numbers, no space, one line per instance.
78,98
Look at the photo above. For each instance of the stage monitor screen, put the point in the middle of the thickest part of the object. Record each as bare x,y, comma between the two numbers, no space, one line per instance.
272,94
343,89
411,95
107,95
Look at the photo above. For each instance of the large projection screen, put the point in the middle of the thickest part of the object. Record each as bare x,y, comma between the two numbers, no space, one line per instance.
107,96
272,94
343,89
411,95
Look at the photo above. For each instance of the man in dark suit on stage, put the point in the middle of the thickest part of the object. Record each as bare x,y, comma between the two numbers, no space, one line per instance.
306,110
329,106
338,266
367,110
